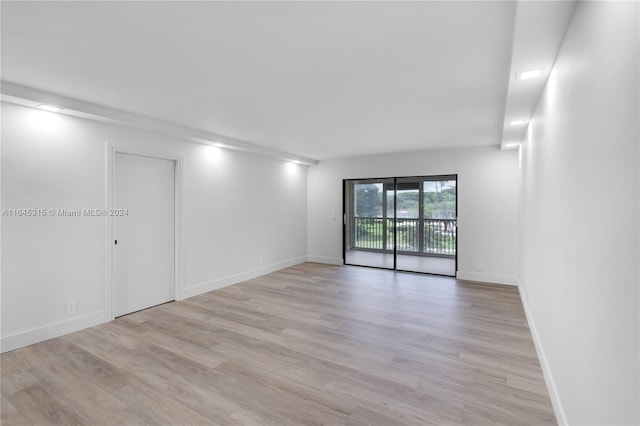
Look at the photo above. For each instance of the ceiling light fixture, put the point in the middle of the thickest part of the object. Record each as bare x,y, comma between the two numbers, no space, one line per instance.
51,108
510,145
529,74
517,122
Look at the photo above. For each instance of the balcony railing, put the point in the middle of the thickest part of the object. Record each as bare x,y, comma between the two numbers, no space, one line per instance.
426,236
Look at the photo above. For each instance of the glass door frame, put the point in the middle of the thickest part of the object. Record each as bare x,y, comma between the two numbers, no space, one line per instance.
420,179
385,218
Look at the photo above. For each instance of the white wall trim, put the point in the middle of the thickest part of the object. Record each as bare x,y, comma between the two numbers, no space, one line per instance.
558,410
244,276
484,277
49,331
112,150
325,260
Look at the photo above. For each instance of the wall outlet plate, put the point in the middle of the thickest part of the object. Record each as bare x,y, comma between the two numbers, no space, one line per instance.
71,307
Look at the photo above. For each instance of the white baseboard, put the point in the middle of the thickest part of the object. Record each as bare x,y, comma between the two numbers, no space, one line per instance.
35,335
234,279
324,259
49,331
544,364
484,277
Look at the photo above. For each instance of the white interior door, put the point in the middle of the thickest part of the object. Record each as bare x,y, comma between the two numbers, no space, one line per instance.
144,239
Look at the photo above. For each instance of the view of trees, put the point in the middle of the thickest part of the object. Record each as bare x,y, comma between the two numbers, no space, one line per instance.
368,200
439,208
439,200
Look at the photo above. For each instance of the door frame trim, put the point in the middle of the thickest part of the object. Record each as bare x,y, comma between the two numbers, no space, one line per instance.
112,150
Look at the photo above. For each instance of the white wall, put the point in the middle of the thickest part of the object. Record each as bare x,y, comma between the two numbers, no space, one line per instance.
238,209
487,204
579,251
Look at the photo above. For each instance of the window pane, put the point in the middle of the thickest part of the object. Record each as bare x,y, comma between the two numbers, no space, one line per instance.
368,200
440,199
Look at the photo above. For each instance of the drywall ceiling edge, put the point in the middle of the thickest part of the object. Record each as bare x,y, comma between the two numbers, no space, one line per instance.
31,97
538,33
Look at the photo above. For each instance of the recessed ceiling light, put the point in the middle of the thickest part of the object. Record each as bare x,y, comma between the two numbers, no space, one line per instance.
517,122
529,74
51,108
510,145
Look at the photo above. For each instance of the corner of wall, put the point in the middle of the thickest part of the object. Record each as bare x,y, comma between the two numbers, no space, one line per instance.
483,277
234,279
544,364
325,260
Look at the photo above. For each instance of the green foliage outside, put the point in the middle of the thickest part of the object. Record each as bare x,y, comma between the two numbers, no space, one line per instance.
369,235
368,200
439,203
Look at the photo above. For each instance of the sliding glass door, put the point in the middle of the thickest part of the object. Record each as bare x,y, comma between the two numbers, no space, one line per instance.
369,223
406,223
426,225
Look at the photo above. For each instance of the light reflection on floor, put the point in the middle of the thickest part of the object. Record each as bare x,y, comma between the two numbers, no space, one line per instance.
431,265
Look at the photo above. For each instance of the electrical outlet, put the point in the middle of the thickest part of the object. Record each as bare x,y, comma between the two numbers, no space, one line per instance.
72,307
480,266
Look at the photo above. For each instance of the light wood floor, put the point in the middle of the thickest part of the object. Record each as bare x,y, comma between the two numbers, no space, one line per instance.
311,344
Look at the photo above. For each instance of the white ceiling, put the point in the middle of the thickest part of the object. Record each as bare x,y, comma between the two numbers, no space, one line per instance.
318,79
